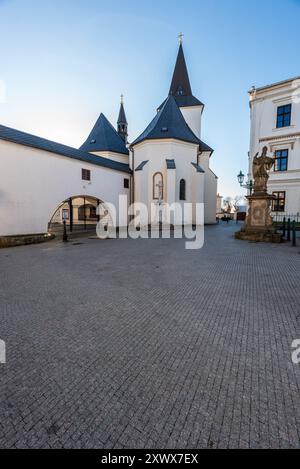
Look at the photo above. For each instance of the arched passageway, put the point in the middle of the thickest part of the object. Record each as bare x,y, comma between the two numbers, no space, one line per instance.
80,214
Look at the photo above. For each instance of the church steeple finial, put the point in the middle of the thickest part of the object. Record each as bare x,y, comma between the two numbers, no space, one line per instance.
122,121
180,37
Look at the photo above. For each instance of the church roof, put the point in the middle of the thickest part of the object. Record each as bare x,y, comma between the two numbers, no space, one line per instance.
122,116
170,123
104,137
180,86
22,138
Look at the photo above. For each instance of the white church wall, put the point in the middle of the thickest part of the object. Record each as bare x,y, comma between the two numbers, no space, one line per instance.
210,197
171,186
204,160
141,186
157,152
35,182
211,187
193,116
113,156
198,190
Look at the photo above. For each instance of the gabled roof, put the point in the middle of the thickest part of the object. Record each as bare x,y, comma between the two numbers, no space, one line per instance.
180,86
104,137
22,138
170,123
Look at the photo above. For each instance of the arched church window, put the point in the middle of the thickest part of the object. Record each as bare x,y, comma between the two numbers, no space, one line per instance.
158,186
182,187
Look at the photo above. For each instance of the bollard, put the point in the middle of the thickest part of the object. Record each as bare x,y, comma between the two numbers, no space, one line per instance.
294,233
284,227
65,235
289,230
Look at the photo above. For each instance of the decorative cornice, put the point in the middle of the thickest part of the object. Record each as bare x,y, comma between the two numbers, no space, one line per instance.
280,137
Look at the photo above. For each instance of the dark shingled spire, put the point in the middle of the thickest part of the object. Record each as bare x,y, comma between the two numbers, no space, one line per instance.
170,123
122,122
104,137
180,87
122,116
180,82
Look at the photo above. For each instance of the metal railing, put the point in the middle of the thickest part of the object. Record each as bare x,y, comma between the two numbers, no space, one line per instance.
278,217
289,230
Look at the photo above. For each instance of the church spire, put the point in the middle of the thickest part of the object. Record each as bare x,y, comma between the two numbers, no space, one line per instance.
122,122
180,85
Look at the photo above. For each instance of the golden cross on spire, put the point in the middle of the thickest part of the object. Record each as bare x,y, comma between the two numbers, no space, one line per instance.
180,37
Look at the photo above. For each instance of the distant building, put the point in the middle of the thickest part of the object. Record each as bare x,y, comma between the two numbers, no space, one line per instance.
275,123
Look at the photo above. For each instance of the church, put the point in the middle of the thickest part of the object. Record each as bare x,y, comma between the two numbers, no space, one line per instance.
48,182
170,154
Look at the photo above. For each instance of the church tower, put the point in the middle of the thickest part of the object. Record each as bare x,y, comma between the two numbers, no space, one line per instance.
171,164
122,122
181,90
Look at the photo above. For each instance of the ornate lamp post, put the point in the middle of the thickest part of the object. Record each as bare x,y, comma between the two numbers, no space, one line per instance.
248,185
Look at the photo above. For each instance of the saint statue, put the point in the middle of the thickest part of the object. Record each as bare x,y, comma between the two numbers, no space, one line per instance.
160,187
261,167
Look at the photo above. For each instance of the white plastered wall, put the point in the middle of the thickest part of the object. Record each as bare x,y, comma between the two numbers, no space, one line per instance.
113,156
210,189
35,182
157,152
193,116
263,112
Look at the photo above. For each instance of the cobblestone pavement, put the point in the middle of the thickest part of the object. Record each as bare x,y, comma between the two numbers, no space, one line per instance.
123,343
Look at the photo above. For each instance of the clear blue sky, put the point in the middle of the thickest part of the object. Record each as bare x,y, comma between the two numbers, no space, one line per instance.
65,61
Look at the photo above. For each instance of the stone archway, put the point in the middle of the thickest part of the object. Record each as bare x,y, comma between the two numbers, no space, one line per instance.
80,214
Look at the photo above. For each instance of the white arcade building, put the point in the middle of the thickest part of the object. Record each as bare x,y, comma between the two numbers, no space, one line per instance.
45,181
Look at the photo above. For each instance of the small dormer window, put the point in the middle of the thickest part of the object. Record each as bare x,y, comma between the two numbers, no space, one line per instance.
93,141
164,129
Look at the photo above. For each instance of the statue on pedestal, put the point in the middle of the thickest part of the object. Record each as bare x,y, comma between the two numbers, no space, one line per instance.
259,222
260,168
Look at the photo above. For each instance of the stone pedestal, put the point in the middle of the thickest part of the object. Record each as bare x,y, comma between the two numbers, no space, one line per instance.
259,223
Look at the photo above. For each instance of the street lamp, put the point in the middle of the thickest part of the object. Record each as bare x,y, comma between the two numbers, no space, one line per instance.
248,185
